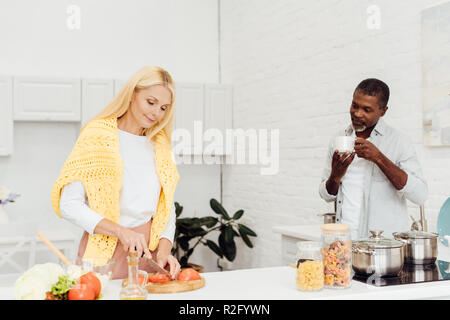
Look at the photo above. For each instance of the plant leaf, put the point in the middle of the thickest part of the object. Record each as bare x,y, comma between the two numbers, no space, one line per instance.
228,248
183,261
227,234
182,229
178,209
238,214
246,239
219,209
246,230
214,247
208,222
189,222
196,232
184,242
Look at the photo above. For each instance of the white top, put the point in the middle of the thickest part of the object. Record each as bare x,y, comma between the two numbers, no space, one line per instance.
139,195
353,193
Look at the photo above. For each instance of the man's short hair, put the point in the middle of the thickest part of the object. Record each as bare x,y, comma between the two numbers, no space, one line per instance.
375,87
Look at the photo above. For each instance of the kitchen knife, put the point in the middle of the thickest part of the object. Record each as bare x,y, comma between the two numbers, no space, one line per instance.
156,266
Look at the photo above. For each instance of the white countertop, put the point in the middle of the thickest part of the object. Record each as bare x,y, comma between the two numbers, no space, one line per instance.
278,283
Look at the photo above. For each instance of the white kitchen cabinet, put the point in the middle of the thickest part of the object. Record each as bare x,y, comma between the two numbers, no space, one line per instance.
6,116
189,118
218,106
47,99
202,111
96,94
217,116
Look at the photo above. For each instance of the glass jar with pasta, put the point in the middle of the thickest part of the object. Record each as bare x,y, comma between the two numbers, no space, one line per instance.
309,266
336,255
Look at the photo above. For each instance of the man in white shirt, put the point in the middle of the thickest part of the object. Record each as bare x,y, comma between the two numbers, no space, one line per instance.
371,185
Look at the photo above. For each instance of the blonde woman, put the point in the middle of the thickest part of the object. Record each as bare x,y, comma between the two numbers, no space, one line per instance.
119,181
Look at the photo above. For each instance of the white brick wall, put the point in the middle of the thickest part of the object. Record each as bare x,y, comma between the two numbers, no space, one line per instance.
294,66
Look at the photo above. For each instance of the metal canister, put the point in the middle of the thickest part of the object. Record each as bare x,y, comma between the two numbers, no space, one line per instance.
329,217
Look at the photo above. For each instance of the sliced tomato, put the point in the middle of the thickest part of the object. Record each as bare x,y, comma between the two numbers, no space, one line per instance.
188,274
81,292
158,278
91,280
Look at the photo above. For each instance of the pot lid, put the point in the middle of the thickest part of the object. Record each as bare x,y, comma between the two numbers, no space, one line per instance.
415,234
377,241
378,244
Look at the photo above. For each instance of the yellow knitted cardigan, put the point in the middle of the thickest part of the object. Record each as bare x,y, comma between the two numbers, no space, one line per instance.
95,161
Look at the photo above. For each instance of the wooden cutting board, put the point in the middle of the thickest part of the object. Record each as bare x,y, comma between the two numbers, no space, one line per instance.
172,286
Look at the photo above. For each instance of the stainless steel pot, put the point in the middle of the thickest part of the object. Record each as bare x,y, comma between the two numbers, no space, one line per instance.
421,247
377,255
328,217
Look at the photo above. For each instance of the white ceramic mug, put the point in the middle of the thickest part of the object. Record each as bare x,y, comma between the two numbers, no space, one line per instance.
344,144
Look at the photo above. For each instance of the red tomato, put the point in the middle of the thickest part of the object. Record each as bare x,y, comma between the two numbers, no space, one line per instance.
50,296
158,278
91,280
188,274
81,292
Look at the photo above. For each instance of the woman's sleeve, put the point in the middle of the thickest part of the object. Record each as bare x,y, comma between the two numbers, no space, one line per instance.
74,208
169,231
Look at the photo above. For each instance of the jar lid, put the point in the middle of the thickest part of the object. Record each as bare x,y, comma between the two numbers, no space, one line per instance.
309,245
335,227
414,234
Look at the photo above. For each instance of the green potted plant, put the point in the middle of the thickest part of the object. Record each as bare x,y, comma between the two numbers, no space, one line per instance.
190,232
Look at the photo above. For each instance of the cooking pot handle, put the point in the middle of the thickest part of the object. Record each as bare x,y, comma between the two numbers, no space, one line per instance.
359,250
397,237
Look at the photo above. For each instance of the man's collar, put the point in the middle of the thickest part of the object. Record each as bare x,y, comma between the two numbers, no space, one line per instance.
379,128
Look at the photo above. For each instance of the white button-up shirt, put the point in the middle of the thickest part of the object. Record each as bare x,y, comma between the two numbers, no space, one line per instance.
385,207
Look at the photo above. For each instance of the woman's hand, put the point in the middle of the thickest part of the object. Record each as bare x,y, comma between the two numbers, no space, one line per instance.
171,263
132,240
165,259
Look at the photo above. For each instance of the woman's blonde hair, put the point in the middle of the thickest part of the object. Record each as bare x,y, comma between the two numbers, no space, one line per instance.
145,77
